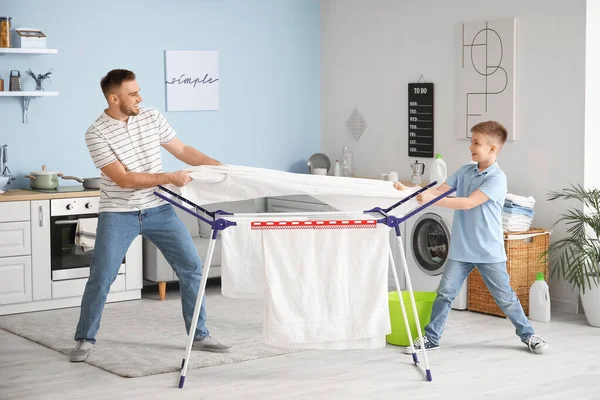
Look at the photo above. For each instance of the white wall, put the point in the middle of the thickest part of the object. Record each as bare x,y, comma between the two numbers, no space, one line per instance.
592,98
592,95
371,50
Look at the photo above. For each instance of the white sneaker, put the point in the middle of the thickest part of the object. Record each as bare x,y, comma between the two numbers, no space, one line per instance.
536,344
417,345
209,343
81,351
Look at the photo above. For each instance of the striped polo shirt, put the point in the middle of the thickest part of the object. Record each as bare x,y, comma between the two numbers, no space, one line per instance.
136,144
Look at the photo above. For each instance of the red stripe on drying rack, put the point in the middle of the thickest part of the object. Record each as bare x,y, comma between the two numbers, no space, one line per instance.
315,224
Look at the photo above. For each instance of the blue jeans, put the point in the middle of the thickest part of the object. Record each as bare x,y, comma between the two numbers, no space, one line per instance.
116,231
497,281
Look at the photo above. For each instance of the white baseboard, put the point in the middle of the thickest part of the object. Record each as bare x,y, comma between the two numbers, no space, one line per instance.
565,306
65,303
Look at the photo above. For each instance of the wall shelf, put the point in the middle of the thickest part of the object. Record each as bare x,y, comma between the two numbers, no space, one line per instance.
34,93
12,50
26,95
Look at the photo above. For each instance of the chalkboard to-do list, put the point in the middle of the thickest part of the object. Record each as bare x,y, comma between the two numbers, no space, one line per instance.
420,120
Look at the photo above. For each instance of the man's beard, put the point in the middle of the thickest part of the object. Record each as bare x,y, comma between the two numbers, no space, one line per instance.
130,112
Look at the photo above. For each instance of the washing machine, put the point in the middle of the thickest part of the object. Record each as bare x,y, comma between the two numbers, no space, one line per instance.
427,242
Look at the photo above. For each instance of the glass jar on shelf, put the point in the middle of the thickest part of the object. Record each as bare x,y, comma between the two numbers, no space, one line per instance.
347,161
5,32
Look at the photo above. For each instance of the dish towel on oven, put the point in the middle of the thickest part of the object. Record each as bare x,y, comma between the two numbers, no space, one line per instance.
326,288
85,233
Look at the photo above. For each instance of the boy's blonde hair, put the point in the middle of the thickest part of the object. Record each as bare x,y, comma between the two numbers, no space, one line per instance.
493,129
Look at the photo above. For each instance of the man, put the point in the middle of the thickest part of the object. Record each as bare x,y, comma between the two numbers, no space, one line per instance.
124,143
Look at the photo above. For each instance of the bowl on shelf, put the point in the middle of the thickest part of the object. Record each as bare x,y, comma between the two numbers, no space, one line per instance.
319,160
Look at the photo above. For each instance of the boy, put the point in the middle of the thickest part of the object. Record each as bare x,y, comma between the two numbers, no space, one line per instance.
477,237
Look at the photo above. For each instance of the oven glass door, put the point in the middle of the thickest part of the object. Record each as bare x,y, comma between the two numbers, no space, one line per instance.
69,261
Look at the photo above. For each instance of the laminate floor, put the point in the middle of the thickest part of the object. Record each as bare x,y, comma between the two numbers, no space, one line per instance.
480,356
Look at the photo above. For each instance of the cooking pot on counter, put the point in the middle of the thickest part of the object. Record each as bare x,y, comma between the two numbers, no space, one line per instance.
43,180
88,183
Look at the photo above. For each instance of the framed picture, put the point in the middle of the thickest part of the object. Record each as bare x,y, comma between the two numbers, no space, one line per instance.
487,73
192,80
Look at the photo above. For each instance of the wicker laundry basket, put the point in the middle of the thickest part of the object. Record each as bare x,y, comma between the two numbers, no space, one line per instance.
523,251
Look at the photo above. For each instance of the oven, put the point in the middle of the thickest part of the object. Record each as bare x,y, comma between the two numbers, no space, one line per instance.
69,261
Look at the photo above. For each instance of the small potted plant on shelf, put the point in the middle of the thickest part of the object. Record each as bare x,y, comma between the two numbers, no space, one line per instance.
576,257
39,79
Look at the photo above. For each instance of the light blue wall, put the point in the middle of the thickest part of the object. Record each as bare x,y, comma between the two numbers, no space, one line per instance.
269,55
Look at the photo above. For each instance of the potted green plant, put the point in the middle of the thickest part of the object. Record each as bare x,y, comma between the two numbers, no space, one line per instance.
576,257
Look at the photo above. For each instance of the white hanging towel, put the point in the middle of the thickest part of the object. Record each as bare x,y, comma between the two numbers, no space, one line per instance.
224,183
242,263
242,259
85,233
326,288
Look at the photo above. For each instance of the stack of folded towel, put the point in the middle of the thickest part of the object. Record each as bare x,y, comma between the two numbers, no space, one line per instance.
517,213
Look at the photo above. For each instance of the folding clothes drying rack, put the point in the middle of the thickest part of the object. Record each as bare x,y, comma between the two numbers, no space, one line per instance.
218,223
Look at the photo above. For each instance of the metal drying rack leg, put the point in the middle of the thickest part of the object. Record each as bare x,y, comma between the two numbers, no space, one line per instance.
201,293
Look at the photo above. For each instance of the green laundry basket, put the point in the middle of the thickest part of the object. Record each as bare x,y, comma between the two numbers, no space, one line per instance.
424,302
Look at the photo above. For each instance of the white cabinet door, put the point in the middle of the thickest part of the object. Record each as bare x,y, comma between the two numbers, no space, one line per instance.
41,278
281,205
14,211
15,239
15,280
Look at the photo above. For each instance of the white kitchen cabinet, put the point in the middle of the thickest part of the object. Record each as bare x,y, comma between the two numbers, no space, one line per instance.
14,211
15,280
25,261
41,276
296,204
15,239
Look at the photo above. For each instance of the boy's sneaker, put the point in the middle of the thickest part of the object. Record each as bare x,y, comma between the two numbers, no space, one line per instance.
536,344
417,344
208,343
81,351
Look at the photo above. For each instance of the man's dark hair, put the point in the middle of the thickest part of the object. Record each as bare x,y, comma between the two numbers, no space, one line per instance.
114,79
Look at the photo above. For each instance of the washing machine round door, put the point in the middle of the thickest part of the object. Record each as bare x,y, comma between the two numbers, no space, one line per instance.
430,243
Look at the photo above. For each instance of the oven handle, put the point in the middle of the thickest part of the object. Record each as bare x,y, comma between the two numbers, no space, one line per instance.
66,222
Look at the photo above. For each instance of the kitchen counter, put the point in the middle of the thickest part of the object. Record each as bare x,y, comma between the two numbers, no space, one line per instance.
28,195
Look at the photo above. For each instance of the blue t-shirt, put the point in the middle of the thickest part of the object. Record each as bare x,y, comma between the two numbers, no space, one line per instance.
477,234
